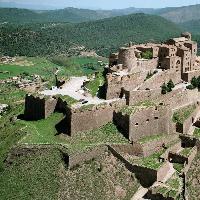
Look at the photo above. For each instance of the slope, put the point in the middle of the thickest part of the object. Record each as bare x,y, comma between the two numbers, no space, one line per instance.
102,36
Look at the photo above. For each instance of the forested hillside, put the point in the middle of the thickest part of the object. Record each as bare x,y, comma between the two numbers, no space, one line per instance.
72,15
180,14
192,26
103,35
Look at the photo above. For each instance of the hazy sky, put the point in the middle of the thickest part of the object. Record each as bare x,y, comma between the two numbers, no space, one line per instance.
108,4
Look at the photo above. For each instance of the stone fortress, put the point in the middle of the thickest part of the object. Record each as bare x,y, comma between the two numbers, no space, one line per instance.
136,105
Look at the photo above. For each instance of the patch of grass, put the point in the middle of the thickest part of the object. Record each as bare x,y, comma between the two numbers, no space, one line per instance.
44,132
181,115
197,132
151,162
186,152
178,167
10,132
93,85
69,100
103,178
129,110
33,176
150,138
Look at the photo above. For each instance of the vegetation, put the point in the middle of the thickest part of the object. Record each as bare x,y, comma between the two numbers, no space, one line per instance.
178,167
193,177
172,187
195,83
129,110
167,87
44,132
186,152
102,178
103,36
182,114
69,100
197,132
151,138
147,55
35,176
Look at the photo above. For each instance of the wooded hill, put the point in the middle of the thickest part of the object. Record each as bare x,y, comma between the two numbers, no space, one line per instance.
103,36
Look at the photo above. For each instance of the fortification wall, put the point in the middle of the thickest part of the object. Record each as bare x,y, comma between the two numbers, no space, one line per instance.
185,127
37,108
149,121
162,172
158,79
152,147
147,65
179,97
131,149
141,173
189,75
190,159
133,97
114,84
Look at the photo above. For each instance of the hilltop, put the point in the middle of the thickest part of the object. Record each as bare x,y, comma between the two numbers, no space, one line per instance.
101,35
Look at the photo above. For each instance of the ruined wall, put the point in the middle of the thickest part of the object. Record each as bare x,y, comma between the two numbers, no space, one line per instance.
133,97
158,79
147,65
131,149
89,119
185,127
179,97
114,83
141,173
152,147
127,57
149,121
37,108
163,171
189,75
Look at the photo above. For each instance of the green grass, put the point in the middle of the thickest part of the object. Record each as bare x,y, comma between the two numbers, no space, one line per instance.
129,110
181,115
69,100
151,138
43,132
32,177
172,187
178,167
99,179
10,133
197,132
93,85
78,66
151,162
186,152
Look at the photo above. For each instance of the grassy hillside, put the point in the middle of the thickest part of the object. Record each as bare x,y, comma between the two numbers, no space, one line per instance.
103,35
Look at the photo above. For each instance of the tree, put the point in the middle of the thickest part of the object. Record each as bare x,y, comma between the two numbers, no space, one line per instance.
164,89
170,86
195,82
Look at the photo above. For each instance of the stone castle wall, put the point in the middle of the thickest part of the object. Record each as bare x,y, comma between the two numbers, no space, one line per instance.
87,120
114,84
149,121
179,97
189,75
37,108
157,80
133,97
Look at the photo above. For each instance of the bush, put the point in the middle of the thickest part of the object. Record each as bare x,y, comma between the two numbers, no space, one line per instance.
190,87
147,55
164,89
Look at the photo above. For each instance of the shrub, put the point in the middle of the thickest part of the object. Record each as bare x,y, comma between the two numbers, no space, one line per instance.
147,55
164,89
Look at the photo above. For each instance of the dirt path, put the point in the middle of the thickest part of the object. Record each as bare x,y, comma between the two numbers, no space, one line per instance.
73,88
